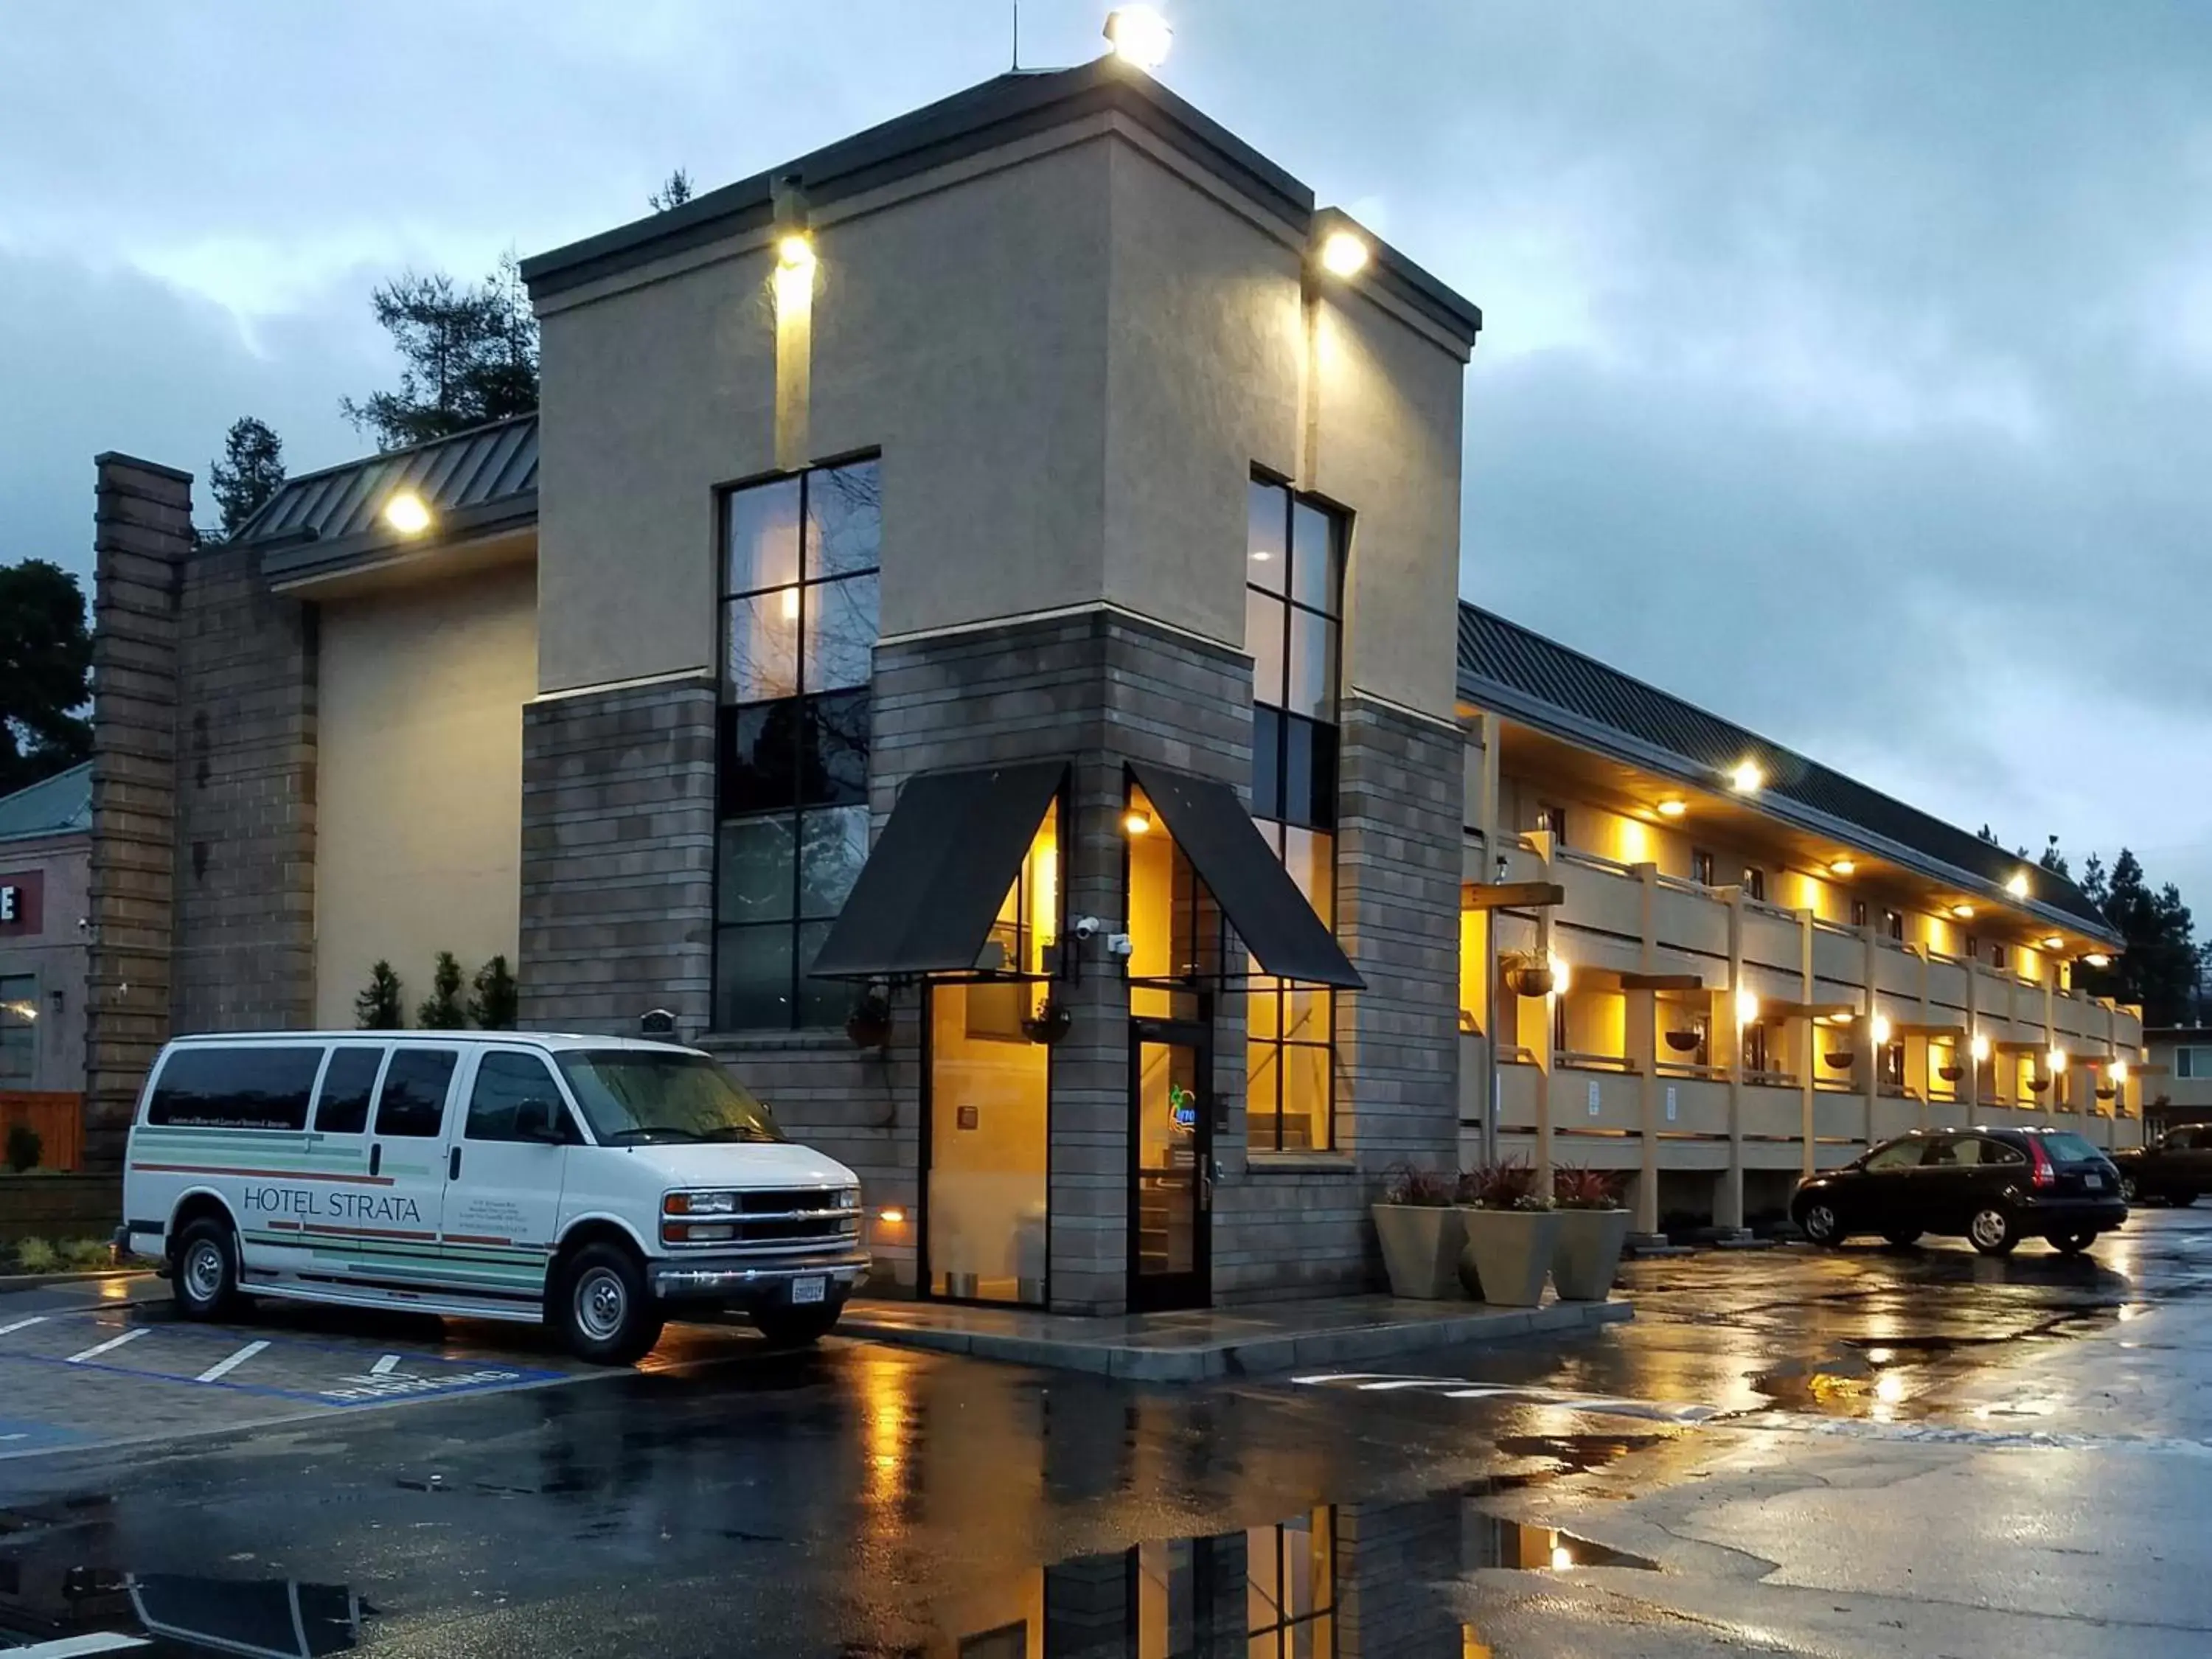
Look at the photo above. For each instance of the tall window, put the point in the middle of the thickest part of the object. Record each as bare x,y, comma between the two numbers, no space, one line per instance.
1293,606
799,635
19,1026
1701,867
1754,884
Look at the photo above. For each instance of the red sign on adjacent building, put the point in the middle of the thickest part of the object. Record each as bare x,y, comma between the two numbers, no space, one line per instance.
22,902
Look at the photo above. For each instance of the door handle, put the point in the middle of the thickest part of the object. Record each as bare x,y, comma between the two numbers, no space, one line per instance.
453,1165
375,1156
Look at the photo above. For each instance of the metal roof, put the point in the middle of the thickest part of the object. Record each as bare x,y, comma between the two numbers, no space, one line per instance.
486,468
57,805
1552,687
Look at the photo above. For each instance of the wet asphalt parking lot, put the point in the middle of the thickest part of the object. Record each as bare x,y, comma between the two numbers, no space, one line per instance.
1870,1451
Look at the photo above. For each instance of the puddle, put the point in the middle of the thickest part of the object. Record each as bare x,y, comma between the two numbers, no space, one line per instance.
1575,1454
178,1616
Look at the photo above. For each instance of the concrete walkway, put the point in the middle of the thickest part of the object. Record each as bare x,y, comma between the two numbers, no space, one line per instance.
1187,1347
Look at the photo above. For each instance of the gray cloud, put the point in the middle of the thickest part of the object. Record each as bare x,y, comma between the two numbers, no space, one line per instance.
1849,368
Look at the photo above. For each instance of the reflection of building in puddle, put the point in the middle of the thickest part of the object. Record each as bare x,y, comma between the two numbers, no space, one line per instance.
1343,1581
183,1616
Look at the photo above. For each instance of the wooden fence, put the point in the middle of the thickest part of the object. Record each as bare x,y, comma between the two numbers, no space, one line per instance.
56,1117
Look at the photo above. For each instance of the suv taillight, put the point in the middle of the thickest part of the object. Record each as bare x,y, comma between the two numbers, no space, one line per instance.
2043,1175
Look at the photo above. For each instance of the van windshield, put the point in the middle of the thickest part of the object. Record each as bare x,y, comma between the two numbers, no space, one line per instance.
635,1096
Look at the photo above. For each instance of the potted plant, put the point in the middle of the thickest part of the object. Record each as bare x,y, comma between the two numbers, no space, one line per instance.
1512,1232
1593,1226
1421,1233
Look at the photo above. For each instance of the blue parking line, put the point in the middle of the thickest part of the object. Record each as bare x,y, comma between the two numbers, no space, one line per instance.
23,1434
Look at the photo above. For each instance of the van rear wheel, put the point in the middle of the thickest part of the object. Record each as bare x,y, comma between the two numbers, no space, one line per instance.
604,1312
203,1279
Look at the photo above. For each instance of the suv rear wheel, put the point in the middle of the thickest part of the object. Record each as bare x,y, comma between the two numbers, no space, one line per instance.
1821,1223
1992,1232
604,1310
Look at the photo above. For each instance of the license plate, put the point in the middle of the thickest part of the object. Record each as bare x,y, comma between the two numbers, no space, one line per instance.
809,1290
2095,1183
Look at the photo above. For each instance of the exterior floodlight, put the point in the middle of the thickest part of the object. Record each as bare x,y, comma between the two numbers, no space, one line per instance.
2096,959
795,251
2057,1059
1344,253
1139,35
1136,823
1882,1031
1979,1048
2118,1069
1746,1007
1562,974
406,514
1746,778
1964,912
1673,809
2016,884
1841,866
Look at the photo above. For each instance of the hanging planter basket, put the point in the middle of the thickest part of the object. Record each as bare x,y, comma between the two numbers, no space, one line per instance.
1951,1074
1048,1025
1842,1060
2107,1091
2039,1084
1682,1043
1532,981
869,1024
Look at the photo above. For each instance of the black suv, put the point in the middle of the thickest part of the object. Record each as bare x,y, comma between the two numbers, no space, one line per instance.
2174,1167
1991,1187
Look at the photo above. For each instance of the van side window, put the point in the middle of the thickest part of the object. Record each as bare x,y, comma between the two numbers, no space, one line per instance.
413,1102
343,1108
257,1087
503,1082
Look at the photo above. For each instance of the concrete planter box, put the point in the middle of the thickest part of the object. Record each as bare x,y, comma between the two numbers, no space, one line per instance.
1587,1253
1507,1253
1421,1247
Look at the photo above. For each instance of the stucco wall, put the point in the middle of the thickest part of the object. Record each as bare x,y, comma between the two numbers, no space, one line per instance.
419,836
54,954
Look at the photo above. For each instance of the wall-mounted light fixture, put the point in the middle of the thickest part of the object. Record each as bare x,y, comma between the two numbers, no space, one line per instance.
2097,959
406,513
1344,253
1672,808
1745,777
1139,35
1746,1006
2117,1070
1881,1029
2054,943
795,251
1979,1048
1136,822
2016,884
1841,866
1964,912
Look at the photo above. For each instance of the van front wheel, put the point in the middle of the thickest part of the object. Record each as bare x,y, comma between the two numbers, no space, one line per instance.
606,1313
205,1277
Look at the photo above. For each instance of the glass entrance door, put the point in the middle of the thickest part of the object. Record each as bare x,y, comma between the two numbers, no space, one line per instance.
1170,1164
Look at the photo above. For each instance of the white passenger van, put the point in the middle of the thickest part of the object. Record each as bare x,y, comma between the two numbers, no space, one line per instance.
596,1183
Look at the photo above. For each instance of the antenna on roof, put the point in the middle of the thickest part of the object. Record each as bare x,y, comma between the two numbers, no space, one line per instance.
1018,34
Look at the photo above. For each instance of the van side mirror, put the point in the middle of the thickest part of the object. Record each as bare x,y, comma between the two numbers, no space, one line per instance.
539,1120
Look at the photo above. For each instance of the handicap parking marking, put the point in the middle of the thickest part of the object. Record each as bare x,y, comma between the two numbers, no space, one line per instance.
24,1434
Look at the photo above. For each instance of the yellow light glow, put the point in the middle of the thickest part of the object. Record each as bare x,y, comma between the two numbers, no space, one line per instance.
1562,974
1136,823
891,1216
1882,1029
1746,1006
1140,35
2097,959
1562,1558
1344,253
406,514
1746,778
1979,1048
2016,884
795,251
1673,809
1880,1356
2054,943
2119,1071
1964,912
1889,1389
1841,866
2057,1059
791,604
25,1010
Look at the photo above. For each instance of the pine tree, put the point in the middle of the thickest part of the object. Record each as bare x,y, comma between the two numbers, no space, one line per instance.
46,673
377,1008
495,1002
468,355
251,471
441,1010
675,190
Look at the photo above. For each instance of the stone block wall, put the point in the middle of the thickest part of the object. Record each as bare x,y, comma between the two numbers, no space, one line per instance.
618,858
244,845
142,535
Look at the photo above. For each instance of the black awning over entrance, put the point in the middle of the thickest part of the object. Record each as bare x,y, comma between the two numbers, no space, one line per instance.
1247,881
933,884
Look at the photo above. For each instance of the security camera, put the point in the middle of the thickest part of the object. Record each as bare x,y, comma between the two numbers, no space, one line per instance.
1085,926
1120,945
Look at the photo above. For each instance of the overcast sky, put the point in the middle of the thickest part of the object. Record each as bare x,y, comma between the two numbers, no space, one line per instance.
1848,367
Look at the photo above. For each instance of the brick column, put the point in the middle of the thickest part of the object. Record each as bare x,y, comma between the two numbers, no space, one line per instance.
141,534
618,858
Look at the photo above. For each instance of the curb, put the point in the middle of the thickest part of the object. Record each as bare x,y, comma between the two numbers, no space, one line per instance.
1259,1355
90,1276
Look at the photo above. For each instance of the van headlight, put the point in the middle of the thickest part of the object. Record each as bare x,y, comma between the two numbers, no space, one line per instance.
849,1198
700,1204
